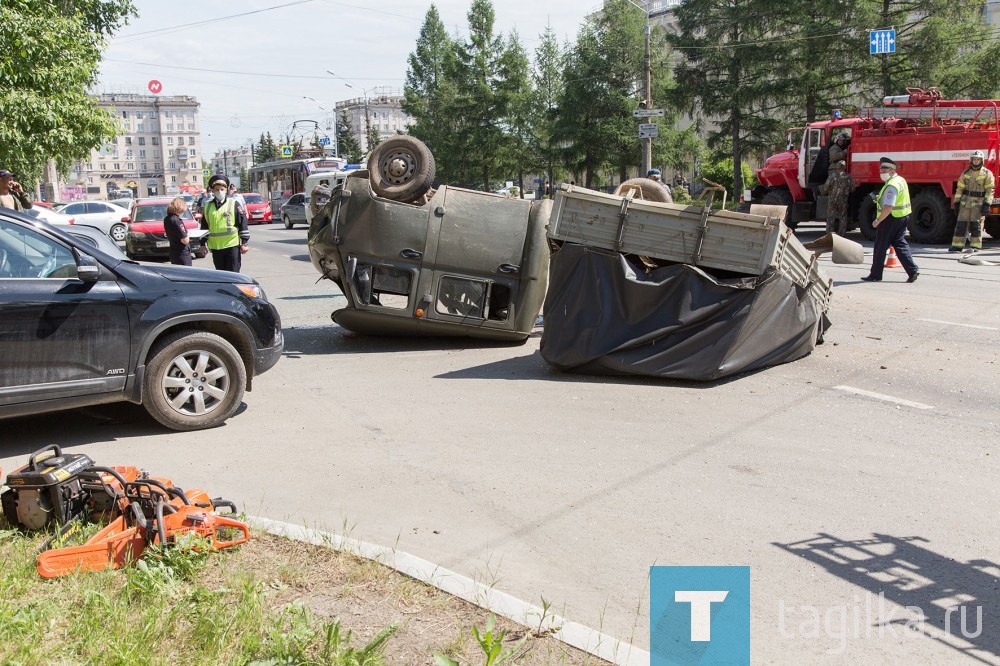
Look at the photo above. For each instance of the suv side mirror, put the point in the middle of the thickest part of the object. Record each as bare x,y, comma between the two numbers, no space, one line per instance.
87,268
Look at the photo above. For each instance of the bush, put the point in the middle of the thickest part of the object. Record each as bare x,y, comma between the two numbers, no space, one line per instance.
721,172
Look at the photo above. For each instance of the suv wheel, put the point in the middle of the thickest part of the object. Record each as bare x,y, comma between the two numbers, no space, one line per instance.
193,380
401,168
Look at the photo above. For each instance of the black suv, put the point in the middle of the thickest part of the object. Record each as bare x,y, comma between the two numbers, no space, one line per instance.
80,327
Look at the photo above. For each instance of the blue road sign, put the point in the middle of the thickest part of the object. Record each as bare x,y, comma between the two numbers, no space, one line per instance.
882,41
325,141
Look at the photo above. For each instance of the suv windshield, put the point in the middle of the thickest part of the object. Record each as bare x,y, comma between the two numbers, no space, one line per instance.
253,198
156,213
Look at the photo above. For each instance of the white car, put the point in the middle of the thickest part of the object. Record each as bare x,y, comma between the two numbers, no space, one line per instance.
48,215
109,218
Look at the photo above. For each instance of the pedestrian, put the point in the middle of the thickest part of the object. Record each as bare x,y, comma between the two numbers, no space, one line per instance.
177,233
12,195
973,197
837,188
654,174
228,234
890,223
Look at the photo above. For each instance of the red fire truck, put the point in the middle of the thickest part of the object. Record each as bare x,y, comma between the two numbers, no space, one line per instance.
929,137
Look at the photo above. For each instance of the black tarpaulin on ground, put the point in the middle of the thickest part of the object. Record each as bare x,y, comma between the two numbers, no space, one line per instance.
605,315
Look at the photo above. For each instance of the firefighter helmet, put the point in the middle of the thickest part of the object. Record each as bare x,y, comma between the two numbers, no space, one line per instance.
977,153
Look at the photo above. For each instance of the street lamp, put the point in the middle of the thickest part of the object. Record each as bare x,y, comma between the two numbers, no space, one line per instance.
336,139
364,92
647,143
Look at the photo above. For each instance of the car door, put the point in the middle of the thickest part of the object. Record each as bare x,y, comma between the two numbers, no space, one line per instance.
298,206
75,209
60,337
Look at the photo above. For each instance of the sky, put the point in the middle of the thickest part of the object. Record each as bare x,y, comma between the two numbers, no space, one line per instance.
254,65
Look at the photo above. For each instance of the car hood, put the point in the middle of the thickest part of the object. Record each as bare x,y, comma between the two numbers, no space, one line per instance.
187,274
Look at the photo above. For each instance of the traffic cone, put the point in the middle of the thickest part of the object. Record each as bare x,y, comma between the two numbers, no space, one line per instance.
891,261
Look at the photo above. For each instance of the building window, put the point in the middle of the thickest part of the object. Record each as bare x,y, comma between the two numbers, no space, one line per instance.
170,153
130,166
142,153
170,127
152,115
173,179
138,127
194,165
190,127
190,140
138,115
156,166
90,179
128,141
104,167
118,166
142,141
156,140
142,166
166,114
173,166
170,140
191,152
180,141
124,114
156,153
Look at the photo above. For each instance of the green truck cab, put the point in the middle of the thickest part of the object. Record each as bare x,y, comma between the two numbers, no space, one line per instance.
417,261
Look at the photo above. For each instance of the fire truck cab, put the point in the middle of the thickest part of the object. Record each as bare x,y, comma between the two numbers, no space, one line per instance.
931,140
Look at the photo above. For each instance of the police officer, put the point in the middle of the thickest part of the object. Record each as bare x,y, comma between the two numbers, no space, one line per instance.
890,223
973,197
228,234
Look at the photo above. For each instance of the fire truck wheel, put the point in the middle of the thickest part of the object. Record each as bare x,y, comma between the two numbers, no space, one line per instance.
193,380
992,225
931,220
866,215
401,168
781,197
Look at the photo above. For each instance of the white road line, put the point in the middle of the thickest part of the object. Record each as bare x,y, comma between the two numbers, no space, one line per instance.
881,396
955,323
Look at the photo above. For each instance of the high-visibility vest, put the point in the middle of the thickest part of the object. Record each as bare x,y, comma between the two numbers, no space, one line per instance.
902,206
222,231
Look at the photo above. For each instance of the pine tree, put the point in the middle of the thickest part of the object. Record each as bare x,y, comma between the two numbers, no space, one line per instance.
425,89
347,143
548,88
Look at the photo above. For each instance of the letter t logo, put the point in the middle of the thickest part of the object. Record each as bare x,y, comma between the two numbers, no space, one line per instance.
701,610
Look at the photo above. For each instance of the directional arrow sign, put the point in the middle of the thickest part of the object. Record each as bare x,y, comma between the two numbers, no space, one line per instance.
882,41
649,131
647,113
325,141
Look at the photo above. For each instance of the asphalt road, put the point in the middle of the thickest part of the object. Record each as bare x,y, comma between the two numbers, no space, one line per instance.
866,468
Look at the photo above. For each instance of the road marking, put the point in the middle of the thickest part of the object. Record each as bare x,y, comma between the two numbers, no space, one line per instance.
883,397
955,323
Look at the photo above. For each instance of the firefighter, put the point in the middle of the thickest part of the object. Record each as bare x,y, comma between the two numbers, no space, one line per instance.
838,151
973,197
837,188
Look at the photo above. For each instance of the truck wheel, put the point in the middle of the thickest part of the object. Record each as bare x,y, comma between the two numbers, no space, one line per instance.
401,168
931,220
866,215
781,197
649,190
193,380
992,225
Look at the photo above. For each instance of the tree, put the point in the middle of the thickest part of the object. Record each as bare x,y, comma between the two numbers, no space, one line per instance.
347,144
727,71
548,89
267,150
425,95
514,82
49,57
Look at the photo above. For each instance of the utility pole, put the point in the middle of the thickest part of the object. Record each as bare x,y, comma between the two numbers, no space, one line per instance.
647,143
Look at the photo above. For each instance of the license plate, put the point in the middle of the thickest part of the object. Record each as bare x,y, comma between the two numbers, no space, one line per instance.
162,243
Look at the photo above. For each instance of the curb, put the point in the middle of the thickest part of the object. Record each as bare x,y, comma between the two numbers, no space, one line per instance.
576,635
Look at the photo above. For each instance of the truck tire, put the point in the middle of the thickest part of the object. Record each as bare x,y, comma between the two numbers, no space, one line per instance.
649,190
931,220
866,215
992,226
201,366
781,197
401,168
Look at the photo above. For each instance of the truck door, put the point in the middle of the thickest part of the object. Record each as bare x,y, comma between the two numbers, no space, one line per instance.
812,143
477,264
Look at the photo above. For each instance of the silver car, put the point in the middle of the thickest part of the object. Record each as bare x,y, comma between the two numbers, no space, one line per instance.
109,218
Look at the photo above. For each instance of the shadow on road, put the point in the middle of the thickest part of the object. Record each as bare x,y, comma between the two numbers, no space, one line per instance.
959,603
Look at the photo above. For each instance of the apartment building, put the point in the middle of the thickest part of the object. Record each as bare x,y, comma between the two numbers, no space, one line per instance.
232,162
157,153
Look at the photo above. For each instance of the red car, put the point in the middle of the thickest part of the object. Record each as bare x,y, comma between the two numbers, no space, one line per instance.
146,238
258,210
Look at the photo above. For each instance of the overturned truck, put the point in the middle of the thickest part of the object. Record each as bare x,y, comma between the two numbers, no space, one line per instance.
634,286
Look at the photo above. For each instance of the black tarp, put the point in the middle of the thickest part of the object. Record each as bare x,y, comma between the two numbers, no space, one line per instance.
604,314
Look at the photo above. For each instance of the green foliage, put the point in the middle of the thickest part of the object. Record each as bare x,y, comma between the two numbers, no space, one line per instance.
721,171
292,639
266,150
491,642
49,57
347,144
427,94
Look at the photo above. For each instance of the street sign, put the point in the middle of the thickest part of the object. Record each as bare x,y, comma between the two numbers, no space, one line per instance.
882,41
287,151
649,130
206,173
647,113
325,141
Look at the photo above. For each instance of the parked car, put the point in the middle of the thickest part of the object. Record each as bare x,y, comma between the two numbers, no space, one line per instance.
49,215
82,327
146,238
43,204
125,203
107,217
94,237
293,211
258,209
